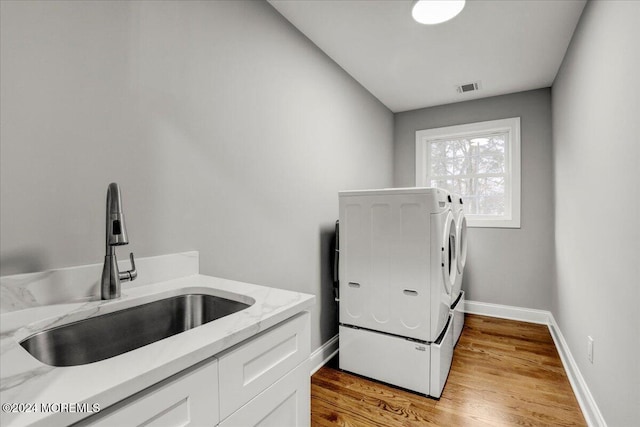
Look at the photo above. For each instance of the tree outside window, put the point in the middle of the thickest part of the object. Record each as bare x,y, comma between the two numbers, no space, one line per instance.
478,161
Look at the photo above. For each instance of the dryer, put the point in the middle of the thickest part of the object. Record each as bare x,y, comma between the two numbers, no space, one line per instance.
397,271
457,294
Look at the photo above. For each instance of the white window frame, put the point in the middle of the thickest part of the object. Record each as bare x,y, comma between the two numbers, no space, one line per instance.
511,126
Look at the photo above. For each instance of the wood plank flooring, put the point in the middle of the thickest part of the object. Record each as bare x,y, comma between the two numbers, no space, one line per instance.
504,373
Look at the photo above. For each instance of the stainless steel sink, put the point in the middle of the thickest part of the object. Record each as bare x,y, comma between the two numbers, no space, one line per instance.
111,334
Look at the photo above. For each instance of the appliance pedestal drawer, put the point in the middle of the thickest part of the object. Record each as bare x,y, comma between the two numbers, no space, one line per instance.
458,318
417,366
387,358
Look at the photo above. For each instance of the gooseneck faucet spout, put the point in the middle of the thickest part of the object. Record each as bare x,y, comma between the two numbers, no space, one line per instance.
116,235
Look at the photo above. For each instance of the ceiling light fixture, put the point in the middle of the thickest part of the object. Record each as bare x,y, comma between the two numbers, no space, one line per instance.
436,11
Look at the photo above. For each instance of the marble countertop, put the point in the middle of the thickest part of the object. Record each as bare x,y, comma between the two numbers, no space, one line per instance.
25,380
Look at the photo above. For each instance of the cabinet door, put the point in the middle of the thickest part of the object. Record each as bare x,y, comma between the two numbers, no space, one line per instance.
186,399
284,404
252,366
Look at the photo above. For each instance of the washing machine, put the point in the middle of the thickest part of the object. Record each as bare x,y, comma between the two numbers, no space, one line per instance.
396,275
457,294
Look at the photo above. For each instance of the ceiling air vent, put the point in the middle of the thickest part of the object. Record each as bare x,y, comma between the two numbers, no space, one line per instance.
468,87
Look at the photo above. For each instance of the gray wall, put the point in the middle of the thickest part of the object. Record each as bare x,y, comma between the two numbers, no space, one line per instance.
504,266
229,133
596,116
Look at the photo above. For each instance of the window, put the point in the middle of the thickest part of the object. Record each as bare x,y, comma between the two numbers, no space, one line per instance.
479,161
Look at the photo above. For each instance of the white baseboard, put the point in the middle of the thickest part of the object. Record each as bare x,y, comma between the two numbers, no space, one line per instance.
507,312
588,405
585,399
323,354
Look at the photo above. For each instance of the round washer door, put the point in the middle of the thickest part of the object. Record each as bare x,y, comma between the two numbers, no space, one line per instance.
449,263
461,244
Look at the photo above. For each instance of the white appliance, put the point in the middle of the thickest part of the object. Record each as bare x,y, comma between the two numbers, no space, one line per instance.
396,274
457,294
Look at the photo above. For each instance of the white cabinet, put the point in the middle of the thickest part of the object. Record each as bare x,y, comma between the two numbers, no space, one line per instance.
191,399
263,381
284,404
251,367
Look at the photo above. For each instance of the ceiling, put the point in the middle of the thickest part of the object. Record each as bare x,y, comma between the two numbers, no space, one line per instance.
509,46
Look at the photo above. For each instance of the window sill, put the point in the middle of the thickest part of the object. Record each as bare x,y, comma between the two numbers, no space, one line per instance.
492,223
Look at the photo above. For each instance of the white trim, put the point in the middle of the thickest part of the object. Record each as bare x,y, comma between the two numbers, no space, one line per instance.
511,218
507,312
587,403
585,399
323,354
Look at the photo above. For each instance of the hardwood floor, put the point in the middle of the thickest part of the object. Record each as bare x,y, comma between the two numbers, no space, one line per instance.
504,373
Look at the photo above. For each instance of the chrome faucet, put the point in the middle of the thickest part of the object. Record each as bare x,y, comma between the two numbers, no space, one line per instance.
116,236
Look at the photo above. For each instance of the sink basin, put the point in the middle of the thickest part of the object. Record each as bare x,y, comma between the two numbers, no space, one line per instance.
111,334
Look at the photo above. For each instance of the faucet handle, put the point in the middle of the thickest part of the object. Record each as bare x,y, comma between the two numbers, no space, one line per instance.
133,272
126,276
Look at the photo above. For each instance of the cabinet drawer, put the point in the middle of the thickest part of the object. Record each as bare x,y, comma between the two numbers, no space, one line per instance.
250,368
185,399
285,404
